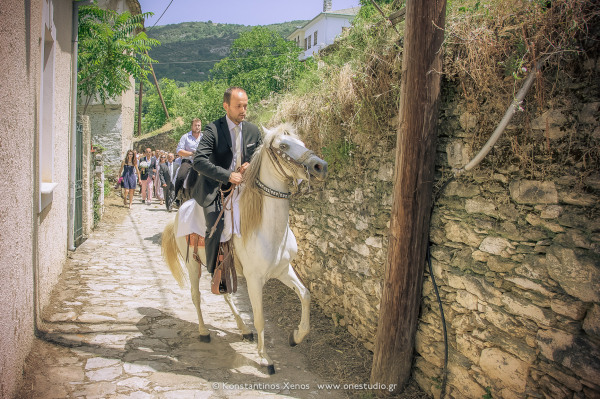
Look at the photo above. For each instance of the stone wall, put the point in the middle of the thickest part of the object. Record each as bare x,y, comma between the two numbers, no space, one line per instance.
516,258
162,141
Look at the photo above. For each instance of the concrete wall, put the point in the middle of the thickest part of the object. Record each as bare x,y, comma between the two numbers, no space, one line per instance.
328,27
516,253
29,239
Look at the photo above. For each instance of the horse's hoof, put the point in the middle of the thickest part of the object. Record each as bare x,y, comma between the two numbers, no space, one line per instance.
205,338
270,369
291,339
248,337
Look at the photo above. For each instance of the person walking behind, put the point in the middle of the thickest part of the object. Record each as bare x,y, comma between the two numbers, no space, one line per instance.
165,173
130,172
147,169
186,149
221,158
158,188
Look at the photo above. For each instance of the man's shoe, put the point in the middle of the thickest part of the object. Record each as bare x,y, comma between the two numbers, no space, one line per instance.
143,201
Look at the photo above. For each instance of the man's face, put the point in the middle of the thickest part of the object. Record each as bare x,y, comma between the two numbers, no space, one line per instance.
196,127
148,152
170,157
236,109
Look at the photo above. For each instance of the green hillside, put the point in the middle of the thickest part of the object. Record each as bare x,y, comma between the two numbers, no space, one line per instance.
189,50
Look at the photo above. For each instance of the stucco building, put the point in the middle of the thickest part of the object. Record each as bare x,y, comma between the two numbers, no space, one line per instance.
322,30
46,181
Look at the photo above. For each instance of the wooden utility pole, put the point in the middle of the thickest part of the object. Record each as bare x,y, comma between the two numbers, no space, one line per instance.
409,227
158,89
139,129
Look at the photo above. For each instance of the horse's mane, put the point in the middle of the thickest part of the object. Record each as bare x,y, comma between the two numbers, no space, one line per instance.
251,200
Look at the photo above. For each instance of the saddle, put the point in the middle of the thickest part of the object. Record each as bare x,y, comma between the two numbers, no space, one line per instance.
225,269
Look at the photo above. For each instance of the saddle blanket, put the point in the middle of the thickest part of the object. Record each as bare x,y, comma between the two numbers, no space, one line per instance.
191,219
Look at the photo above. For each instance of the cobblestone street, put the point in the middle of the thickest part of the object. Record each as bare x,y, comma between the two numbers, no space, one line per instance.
119,326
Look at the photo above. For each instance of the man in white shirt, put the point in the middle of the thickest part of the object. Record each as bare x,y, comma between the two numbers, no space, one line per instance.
186,149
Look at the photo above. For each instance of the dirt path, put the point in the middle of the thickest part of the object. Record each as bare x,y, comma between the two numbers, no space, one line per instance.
119,326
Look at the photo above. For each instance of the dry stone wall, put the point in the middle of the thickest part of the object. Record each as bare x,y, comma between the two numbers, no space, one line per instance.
516,260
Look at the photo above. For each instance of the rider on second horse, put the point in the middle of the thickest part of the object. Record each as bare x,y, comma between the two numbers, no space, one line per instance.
186,149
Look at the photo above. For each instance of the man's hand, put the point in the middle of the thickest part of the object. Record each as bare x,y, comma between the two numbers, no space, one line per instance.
165,185
244,167
235,178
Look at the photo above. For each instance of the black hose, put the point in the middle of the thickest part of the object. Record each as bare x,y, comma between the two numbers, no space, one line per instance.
437,294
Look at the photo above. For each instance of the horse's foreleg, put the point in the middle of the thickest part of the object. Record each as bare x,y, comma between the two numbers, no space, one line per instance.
255,288
246,331
291,280
194,274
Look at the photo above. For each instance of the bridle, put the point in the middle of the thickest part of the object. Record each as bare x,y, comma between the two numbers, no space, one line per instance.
278,156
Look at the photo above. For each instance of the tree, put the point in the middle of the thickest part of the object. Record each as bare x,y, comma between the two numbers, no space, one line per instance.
112,49
261,61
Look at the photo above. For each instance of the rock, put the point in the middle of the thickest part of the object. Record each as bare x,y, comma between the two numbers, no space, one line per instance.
551,123
527,284
535,220
463,190
466,300
496,264
589,113
459,232
566,306
480,288
533,192
579,199
506,370
577,274
575,352
468,121
386,172
549,211
591,324
521,307
459,378
496,246
458,154
480,205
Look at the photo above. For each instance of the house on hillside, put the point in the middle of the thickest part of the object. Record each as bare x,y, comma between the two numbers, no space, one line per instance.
112,124
322,30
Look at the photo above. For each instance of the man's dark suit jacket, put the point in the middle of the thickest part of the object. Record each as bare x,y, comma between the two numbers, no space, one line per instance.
214,155
163,173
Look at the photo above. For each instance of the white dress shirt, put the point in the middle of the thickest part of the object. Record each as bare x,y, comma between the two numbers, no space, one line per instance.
236,144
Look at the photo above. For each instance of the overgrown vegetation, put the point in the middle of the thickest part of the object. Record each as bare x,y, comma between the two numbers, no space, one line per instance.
112,49
189,50
351,100
261,61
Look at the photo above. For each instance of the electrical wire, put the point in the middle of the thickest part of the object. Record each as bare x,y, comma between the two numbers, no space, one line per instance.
161,15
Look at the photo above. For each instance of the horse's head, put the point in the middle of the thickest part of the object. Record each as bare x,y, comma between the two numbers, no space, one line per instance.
289,154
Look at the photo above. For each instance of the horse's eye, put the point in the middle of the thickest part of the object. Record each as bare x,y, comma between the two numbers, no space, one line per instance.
283,146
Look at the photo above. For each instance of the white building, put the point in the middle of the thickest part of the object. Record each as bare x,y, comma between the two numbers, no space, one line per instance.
322,30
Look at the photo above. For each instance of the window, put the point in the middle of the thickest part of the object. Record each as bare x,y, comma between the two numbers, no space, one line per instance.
309,41
46,119
305,45
315,38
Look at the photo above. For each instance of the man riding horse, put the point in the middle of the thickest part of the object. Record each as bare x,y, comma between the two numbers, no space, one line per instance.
222,156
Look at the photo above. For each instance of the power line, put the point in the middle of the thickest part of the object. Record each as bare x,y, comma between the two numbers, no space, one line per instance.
161,15
230,59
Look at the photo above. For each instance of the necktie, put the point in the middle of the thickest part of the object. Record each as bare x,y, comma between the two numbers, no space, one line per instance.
238,146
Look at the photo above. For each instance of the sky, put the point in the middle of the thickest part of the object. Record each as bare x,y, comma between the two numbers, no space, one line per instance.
243,12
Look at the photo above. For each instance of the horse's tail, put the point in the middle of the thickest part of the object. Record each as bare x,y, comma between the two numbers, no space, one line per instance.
170,253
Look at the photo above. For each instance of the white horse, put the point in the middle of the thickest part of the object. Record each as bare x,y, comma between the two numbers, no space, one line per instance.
267,245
